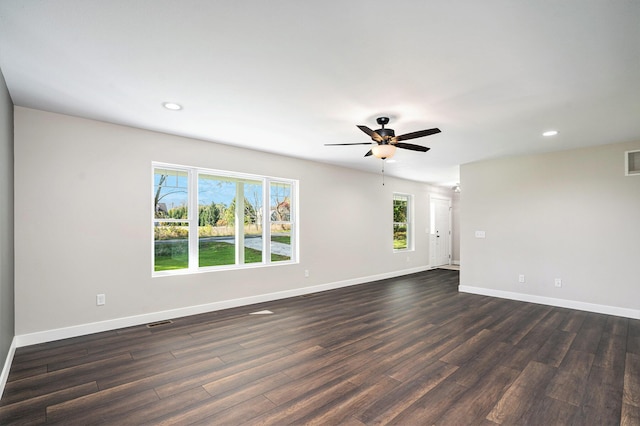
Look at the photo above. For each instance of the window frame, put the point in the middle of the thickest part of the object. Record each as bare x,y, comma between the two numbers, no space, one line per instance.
408,223
193,174
169,220
267,236
632,158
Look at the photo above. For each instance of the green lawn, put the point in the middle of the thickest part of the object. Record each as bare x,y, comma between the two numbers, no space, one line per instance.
399,240
212,253
285,239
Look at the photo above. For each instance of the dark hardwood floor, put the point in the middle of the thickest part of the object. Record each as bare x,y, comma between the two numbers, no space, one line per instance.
408,351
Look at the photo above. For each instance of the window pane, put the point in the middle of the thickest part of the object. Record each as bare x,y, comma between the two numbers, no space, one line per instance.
280,242
253,212
280,202
400,205
171,246
216,220
170,193
400,236
279,212
214,251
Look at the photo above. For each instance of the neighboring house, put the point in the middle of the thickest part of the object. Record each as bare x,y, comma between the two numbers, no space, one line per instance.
282,211
162,209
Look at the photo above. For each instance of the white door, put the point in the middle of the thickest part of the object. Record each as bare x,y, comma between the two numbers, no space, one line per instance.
440,230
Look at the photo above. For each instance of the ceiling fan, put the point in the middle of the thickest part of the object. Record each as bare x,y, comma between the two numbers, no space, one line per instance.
387,141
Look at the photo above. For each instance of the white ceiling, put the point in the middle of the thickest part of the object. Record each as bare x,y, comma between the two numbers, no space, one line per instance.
287,76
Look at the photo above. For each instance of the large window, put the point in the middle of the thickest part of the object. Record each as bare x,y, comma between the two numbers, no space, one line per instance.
206,219
402,222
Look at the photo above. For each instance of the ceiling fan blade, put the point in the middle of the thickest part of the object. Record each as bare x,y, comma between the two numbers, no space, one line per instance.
368,153
412,147
376,137
418,134
358,143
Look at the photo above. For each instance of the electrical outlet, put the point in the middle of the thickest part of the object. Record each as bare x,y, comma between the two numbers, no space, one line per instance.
558,282
306,273
100,299
521,278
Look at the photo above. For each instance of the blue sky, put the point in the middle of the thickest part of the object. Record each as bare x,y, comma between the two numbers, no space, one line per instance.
210,189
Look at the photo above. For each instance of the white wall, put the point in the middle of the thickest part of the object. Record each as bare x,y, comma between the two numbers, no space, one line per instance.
572,215
83,214
6,228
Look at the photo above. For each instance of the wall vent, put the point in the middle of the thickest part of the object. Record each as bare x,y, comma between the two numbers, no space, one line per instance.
632,163
159,323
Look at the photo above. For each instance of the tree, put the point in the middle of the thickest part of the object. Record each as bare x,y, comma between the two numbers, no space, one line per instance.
281,211
208,215
253,208
160,209
399,211
249,212
157,198
179,212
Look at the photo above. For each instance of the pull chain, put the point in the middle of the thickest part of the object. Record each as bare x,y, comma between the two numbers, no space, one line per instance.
383,172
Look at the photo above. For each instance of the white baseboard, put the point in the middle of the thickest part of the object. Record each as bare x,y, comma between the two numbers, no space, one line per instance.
7,366
561,303
96,327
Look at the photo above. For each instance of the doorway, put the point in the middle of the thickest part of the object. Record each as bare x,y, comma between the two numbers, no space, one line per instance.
439,231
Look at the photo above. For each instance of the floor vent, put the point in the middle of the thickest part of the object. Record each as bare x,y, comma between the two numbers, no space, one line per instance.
159,323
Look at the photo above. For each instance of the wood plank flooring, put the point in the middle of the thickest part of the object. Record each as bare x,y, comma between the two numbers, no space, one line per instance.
407,351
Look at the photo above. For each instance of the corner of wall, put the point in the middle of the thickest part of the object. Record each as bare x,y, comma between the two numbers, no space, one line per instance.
7,271
4,375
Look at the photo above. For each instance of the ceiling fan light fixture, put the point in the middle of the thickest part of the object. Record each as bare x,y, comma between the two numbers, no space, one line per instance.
383,151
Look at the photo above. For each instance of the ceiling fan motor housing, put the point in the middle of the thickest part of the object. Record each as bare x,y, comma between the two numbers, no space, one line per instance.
386,133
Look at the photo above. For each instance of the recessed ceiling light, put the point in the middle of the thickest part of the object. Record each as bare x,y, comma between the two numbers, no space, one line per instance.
550,133
172,106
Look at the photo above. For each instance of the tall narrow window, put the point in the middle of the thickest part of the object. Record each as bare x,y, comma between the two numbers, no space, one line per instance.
213,219
171,219
401,222
253,221
280,221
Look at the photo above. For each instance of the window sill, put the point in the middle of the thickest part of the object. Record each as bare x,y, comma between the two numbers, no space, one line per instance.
157,274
